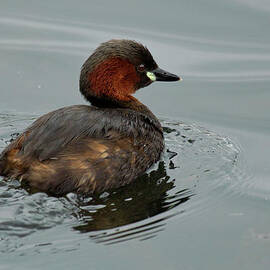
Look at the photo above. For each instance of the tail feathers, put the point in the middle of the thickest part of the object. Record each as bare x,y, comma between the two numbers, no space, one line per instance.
2,166
11,165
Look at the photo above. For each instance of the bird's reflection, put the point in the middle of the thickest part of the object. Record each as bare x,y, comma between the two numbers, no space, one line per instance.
144,198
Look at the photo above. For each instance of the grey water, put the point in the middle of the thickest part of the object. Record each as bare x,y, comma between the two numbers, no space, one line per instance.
206,204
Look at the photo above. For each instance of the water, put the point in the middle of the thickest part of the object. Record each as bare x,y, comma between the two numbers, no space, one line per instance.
206,204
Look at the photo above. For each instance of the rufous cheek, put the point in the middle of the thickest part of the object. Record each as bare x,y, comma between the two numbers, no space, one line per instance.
115,77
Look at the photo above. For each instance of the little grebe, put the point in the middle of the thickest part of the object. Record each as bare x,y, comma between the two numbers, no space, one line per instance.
87,149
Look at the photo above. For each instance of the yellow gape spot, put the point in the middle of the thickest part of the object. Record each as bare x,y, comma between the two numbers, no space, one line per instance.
151,76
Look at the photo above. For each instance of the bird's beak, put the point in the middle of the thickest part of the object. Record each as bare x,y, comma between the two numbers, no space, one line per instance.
159,74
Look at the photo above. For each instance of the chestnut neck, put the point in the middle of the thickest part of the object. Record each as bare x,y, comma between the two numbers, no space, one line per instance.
111,83
130,103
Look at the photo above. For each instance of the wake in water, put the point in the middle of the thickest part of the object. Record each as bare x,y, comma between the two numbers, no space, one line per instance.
193,174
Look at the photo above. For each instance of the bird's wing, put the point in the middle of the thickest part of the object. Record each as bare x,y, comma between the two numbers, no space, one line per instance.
52,132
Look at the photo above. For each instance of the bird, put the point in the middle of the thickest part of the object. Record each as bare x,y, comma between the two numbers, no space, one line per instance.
88,149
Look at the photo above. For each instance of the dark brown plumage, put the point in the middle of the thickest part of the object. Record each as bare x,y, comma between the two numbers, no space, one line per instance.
88,149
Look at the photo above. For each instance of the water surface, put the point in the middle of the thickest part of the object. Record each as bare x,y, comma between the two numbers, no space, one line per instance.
205,205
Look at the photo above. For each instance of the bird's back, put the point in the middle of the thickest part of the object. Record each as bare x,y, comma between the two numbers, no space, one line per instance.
84,149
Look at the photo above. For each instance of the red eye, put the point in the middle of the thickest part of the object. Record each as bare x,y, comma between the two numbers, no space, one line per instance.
141,68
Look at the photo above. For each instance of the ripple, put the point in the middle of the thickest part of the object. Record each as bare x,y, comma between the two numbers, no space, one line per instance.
262,5
199,169
246,61
91,29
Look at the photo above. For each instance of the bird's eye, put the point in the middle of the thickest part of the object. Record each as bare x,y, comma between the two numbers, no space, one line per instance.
141,68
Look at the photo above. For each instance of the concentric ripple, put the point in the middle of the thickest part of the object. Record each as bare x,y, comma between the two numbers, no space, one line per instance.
196,169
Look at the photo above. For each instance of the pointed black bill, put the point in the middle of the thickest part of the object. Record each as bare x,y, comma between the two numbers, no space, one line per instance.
162,75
